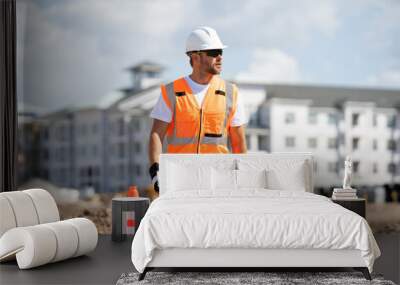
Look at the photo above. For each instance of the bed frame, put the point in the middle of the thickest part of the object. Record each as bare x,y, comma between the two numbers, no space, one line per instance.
240,259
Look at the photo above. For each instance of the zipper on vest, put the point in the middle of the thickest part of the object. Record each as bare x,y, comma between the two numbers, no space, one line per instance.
198,142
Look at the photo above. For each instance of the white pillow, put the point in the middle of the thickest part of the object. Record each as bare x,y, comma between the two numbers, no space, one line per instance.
291,177
251,178
188,177
282,174
224,179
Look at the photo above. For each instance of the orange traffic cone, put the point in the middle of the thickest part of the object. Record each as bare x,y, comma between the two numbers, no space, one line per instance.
133,192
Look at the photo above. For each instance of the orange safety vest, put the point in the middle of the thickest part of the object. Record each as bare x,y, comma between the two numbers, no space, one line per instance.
199,129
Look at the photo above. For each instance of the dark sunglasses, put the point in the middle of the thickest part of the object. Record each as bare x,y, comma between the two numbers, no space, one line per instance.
211,52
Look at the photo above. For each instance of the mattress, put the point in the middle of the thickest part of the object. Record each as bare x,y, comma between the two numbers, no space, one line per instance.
251,219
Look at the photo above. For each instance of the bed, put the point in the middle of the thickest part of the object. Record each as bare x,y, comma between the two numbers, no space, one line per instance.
247,210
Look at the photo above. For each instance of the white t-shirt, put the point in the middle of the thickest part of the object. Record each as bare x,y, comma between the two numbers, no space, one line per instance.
163,113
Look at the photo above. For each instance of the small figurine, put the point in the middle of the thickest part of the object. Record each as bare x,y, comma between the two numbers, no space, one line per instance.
348,164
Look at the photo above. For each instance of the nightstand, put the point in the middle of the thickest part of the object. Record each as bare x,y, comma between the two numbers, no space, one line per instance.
356,205
127,212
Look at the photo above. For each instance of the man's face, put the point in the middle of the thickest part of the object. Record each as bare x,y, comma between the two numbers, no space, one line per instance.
211,61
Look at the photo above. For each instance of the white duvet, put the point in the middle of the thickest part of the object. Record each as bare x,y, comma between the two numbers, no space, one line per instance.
252,218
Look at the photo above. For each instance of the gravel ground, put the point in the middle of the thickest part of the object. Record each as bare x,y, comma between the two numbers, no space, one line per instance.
97,209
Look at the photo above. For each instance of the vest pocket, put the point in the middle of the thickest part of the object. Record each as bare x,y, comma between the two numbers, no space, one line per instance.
214,123
186,125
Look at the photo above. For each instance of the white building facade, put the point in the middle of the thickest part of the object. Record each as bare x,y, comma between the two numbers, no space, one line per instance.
345,122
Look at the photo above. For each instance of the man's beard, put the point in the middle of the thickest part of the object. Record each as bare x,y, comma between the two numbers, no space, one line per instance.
213,70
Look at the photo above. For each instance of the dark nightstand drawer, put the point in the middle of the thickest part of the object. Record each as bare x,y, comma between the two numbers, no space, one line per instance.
356,205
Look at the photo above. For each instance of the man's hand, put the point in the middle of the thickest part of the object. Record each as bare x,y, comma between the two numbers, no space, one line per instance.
155,148
154,176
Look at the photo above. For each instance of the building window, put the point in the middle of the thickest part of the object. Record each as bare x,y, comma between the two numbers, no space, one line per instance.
289,118
121,150
138,147
63,154
312,142
82,173
253,119
94,150
355,117
391,146
374,120
391,121
96,171
332,143
137,125
83,130
45,134
356,166
62,133
341,139
290,141
138,170
112,171
121,171
355,143
312,118
375,144
89,172
262,143
120,124
83,151
375,168
331,119
392,168
94,128
248,142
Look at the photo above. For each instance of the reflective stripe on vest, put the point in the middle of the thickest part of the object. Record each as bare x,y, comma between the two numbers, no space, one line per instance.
179,141
214,140
195,121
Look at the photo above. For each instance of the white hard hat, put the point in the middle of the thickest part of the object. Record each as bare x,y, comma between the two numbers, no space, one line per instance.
203,38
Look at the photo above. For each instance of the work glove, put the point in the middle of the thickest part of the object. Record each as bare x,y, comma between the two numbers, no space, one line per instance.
154,177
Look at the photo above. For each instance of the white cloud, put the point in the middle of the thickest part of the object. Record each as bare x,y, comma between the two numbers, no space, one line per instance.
384,23
278,23
271,65
123,25
388,79
76,51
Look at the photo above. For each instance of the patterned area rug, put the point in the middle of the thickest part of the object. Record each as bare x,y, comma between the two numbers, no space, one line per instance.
225,278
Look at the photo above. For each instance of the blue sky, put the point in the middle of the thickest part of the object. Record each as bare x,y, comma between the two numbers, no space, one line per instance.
74,52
